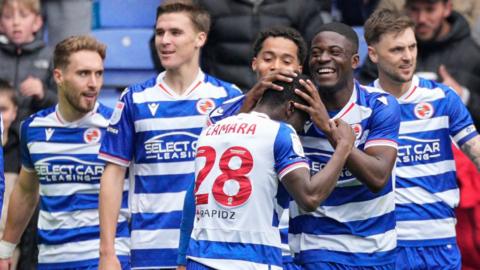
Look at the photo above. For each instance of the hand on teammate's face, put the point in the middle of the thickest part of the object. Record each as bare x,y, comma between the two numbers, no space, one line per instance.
266,82
315,108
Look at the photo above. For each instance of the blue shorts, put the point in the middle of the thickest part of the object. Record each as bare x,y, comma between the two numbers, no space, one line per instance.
339,266
291,266
123,265
192,265
444,257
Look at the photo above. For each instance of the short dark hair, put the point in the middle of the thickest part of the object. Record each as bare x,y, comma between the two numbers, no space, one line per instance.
283,32
385,21
199,16
277,98
7,88
342,29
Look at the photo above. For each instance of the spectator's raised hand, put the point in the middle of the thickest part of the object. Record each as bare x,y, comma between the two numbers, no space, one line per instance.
32,87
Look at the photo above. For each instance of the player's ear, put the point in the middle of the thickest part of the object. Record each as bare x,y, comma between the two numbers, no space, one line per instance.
290,108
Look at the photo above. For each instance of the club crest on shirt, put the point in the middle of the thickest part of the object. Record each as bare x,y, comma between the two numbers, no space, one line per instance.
205,105
92,135
357,130
423,110
117,113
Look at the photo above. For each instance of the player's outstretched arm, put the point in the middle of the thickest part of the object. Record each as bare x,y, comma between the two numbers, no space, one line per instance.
472,150
255,94
111,189
308,191
22,204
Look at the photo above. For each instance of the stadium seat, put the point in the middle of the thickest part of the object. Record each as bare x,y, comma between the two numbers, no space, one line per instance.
128,58
127,13
109,97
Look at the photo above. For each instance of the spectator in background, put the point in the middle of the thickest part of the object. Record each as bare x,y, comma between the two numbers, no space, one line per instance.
10,144
353,12
446,51
236,23
66,18
25,60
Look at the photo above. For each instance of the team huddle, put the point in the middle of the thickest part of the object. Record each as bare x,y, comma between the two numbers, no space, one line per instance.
300,172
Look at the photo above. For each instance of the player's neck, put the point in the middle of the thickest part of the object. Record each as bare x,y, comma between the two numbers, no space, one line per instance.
273,113
68,113
396,89
179,79
336,100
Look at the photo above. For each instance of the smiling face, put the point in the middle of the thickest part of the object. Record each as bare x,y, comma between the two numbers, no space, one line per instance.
177,40
332,61
276,53
428,17
80,81
19,23
395,55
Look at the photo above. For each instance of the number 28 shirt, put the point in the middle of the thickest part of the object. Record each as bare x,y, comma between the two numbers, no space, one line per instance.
238,166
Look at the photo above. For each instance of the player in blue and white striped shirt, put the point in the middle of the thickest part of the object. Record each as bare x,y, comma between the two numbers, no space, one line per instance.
154,130
432,116
59,148
355,227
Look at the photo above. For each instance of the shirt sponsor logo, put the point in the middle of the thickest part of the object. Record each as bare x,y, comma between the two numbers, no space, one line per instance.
92,135
413,149
172,146
68,169
423,110
205,105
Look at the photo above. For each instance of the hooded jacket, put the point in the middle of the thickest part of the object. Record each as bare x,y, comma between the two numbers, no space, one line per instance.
17,63
235,25
457,51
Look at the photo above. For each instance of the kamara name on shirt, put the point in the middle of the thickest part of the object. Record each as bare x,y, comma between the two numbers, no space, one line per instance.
242,128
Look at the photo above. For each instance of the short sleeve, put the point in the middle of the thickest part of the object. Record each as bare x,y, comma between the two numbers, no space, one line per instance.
118,144
27,162
460,120
288,151
384,122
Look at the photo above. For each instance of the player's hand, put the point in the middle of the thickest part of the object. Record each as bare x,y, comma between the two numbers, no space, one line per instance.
342,134
32,87
315,108
256,92
5,264
109,262
448,80
181,267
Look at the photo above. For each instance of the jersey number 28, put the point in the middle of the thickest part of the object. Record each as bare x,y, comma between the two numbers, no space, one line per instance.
228,174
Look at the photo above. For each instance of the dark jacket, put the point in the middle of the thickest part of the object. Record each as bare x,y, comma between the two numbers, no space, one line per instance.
17,63
460,55
235,25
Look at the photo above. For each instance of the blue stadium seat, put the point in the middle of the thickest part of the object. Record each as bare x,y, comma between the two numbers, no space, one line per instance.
363,47
127,13
109,97
128,58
